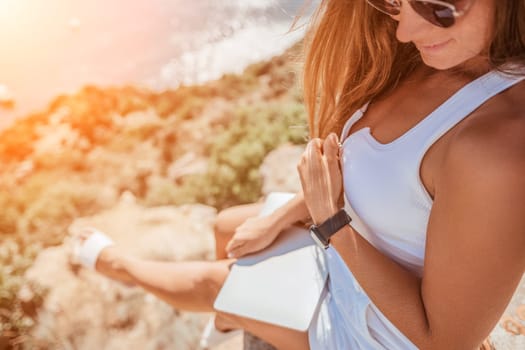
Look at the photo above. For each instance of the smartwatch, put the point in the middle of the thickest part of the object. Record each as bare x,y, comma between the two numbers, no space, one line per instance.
321,233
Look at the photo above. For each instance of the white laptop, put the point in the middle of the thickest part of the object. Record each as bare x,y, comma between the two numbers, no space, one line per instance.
280,285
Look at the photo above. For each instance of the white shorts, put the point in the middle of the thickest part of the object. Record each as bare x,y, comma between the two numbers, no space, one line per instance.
347,318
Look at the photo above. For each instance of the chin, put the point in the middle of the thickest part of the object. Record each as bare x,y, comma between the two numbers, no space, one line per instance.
475,65
444,61
439,64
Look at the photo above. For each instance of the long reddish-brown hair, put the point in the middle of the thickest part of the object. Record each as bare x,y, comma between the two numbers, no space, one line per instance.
352,55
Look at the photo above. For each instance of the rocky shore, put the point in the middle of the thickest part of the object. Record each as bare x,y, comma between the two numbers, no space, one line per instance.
84,310
152,170
179,154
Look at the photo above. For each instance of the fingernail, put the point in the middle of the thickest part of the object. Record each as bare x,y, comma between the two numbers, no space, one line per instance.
231,256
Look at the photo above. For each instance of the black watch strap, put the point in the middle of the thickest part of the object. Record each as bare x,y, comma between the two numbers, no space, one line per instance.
322,233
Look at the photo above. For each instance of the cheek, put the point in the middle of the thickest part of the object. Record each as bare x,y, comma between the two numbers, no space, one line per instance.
476,40
478,28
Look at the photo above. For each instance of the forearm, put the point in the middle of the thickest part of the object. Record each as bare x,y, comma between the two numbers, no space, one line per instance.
473,263
174,282
393,289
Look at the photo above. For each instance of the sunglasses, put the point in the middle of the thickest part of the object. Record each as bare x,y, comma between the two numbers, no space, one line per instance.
439,13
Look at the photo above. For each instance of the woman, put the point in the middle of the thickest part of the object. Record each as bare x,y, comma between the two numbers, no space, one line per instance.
430,161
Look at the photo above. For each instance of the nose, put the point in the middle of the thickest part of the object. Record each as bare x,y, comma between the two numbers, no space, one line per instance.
411,25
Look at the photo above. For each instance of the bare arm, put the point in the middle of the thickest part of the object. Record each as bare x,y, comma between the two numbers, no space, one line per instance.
475,243
187,285
257,233
176,282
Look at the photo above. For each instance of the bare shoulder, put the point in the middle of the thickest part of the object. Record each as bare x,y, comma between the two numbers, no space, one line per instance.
491,142
476,231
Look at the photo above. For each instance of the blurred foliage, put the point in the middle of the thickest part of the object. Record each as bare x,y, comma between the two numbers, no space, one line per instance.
76,157
235,154
19,300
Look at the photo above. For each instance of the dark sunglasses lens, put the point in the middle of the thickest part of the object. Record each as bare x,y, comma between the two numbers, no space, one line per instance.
439,15
390,7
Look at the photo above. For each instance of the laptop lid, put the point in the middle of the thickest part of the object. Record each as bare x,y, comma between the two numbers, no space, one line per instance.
282,284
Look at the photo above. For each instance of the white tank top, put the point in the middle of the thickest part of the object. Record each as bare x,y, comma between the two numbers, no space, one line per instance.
384,194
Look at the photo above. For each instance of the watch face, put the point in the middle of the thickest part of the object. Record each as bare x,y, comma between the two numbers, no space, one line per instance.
321,242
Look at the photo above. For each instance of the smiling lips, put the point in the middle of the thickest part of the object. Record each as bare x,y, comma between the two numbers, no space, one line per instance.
433,47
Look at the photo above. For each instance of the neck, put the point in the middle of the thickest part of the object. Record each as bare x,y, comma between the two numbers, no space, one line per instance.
465,72
473,68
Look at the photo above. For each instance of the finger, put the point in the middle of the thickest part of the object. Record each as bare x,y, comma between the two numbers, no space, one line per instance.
243,250
331,147
313,148
313,159
233,244
333,140
302,176
237,252
311,152
317,142
302,164
317,145
315,165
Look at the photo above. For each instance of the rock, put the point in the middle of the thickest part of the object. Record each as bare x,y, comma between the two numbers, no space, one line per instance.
188,164
84,310
234,343
251,342
500,337
279,169
162,233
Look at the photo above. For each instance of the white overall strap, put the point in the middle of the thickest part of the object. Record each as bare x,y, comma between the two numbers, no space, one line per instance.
354,118
460,105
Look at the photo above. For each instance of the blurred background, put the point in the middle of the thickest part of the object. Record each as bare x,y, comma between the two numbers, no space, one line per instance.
56,46
142,118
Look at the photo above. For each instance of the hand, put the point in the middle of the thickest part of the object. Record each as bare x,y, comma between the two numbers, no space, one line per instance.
108,261
255,234
321,178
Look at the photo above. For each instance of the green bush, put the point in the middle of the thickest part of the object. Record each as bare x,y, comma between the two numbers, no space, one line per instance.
236,153
48,202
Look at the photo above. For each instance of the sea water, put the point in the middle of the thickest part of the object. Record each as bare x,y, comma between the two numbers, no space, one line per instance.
54,47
